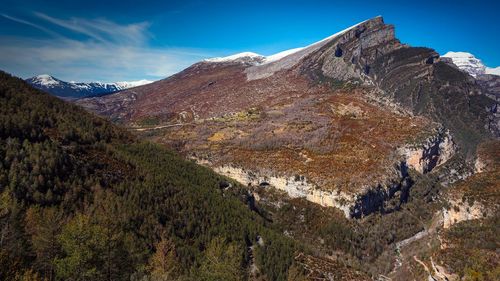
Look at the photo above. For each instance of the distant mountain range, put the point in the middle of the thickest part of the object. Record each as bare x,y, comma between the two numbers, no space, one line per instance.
76,90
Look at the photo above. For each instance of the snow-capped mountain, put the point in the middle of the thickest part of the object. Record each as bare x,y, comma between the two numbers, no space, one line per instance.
75,90
470,64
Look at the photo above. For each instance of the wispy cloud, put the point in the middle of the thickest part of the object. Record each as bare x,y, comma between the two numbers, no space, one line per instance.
103,30
39,27
111,52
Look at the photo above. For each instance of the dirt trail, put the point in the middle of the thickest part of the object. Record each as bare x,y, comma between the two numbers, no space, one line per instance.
159,127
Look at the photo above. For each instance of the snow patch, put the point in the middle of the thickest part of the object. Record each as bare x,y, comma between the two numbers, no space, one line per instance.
235,57
281,55
493,71
131,84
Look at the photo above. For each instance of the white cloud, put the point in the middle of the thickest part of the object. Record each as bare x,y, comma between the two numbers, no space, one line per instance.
112,52
103,30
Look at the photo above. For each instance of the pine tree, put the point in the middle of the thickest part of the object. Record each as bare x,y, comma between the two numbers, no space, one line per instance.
14,246
83,244
117,259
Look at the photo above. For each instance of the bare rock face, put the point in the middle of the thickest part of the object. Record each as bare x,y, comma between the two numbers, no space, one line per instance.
349,56
491,83
295,186
434,152
352,204
462,211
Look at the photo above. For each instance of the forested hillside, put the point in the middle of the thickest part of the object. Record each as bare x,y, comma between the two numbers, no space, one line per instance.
83,200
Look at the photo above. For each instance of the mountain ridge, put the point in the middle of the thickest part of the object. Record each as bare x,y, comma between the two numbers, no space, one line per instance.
260,59
75,90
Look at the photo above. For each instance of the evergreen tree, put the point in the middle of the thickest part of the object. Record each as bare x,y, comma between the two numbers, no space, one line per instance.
83,244
222,261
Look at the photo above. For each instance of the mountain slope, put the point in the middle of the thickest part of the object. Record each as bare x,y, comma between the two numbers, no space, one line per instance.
75,90
299,123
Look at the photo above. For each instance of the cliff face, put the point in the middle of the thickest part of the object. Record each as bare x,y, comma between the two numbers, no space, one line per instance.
415,78
491,85
433,152
349,57
463,211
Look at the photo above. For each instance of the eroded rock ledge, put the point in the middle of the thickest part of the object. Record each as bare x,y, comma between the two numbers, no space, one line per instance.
431,153
353,205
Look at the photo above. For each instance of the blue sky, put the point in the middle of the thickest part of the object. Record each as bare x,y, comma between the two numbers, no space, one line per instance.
130,40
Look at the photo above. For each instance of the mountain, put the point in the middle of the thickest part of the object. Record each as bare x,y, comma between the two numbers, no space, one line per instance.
357,137
299,113
75,90
470,64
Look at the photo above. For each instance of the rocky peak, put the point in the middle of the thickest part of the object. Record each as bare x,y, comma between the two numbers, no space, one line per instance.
467,62
367,33
350,55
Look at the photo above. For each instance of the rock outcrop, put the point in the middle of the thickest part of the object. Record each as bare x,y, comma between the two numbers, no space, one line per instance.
462,211
433,152
491,85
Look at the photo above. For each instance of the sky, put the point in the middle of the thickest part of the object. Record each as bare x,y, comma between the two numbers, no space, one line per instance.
110,40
